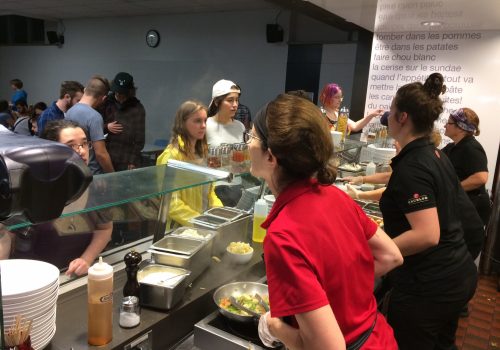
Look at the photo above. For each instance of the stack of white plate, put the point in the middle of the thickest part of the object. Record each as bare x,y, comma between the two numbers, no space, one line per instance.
30,289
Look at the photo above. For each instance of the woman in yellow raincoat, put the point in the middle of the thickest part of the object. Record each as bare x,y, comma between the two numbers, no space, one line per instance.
189,144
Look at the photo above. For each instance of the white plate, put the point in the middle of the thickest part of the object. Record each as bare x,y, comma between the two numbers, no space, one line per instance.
26,302
33,310
24,277
16,298
38,320
43,342
45,328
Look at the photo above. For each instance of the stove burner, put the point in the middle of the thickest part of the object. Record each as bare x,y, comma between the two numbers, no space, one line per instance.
247,331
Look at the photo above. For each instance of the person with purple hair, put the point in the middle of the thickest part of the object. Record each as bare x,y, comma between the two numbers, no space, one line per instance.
331,98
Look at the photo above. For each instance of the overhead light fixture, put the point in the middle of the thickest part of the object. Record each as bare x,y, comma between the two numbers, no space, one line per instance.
431,23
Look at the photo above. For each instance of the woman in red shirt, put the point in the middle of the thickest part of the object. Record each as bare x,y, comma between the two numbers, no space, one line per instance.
322,252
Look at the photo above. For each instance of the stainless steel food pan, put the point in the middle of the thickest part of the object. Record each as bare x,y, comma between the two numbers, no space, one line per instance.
196,262
227,232
193,233
162,286
226,213
178,245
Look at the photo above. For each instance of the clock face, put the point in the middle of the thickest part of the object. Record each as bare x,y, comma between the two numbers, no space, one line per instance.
152,38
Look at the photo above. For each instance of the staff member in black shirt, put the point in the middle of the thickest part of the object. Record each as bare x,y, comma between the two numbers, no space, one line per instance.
469,158
421,213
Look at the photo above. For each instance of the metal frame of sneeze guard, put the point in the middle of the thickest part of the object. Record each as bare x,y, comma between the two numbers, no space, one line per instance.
161,223
222,175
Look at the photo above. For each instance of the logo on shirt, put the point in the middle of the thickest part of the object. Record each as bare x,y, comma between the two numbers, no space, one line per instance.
417,199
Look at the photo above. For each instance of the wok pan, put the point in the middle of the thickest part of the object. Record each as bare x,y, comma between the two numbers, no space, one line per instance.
236,289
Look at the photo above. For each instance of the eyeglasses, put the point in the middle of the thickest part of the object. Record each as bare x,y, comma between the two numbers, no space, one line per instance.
248,136
341,98
84,145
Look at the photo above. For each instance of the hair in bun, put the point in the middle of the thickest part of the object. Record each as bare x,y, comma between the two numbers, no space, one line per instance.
434,85
422,102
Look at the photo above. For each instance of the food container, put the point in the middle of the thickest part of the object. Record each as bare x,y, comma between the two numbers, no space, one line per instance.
226,213
178,245
239,158
162,286
227,231
350,169
206,236
239,258
236,289
190,254
214,157
226,150
193,233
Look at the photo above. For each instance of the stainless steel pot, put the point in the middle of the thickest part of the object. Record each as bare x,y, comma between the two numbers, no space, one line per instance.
236,289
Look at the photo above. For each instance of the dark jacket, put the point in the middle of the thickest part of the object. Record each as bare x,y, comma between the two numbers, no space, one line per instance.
125,148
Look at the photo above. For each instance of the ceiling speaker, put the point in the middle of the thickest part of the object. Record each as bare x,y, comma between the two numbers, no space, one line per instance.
52,37
55,38
274,33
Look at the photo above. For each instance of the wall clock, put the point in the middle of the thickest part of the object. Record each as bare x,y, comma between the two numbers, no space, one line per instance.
152,38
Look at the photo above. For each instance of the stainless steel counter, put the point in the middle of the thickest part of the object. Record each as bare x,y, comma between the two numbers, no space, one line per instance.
167,328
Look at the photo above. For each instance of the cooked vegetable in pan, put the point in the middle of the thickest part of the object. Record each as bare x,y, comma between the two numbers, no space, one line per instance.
247,300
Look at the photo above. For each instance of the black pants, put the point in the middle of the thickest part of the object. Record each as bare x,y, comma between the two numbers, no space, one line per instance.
482,204
423,324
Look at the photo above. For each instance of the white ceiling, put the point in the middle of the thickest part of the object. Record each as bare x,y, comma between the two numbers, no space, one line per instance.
374,15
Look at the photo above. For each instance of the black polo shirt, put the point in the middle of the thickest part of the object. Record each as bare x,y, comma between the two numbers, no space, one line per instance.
468,157
424,178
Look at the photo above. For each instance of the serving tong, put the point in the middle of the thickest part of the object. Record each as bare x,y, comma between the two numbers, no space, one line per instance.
262,302
243,308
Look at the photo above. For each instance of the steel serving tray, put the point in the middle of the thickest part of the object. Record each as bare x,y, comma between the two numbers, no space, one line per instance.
154,293
227,231
226,213
178,245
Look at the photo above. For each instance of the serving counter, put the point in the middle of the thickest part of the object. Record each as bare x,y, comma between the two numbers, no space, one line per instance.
137,202
158,329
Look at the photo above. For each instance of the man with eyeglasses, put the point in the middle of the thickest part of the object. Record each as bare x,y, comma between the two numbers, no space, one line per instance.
85,114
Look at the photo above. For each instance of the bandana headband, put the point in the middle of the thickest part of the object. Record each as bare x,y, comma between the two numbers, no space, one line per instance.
462,122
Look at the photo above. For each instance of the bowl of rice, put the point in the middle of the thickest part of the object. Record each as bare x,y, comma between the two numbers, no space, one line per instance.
239,252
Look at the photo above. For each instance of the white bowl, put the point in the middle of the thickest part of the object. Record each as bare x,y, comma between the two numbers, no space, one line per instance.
270,199
239,258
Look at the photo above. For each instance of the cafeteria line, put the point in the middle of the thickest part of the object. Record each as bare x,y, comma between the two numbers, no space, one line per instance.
200,258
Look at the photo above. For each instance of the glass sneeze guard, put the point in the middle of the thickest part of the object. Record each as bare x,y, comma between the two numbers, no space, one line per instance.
114,189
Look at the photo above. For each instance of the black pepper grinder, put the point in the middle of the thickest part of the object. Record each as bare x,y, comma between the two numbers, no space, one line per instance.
132,260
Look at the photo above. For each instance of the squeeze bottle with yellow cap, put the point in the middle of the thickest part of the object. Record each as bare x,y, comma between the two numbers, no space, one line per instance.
259,215
100,303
